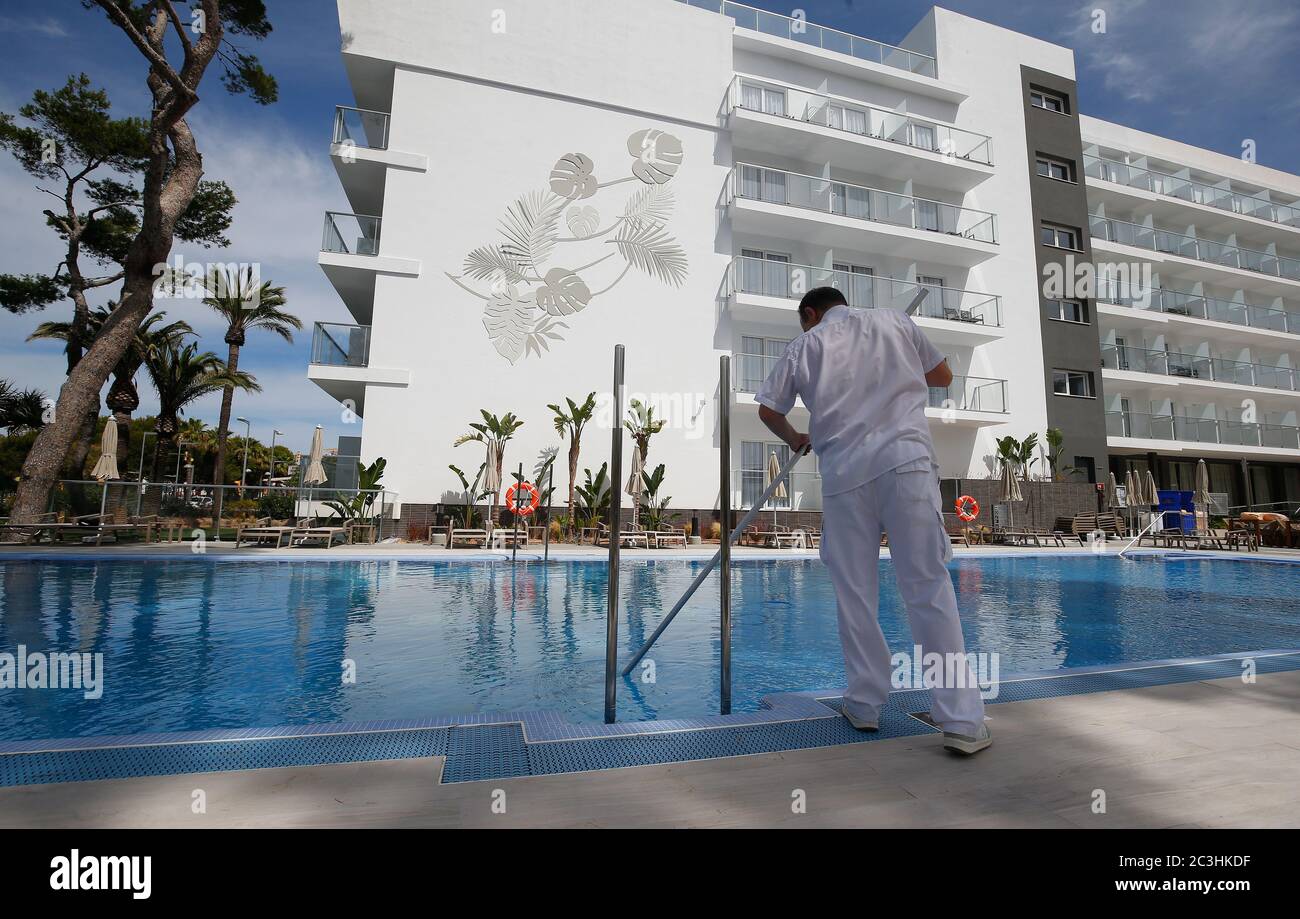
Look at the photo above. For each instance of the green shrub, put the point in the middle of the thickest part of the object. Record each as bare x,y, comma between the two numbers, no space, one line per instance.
275,505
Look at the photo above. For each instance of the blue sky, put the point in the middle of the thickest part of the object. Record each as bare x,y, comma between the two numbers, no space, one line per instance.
1208,72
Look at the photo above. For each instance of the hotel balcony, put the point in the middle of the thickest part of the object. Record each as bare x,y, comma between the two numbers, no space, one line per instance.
351,259
835,214
1138,432
1227,321
799,124
1198,259
803,492
967,401
340,364
1167,196
1189,371
764,289
808,44
362,157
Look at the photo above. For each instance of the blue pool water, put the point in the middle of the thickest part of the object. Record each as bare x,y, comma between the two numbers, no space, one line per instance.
204,643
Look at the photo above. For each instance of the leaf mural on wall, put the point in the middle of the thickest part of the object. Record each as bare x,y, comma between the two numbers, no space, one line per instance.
648,247
563,293
524,299
508,319
529,227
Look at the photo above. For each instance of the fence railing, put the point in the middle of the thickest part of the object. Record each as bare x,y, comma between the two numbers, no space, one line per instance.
360,127
1202,430
770,278
340,345
828,39
973,394
350,234
1202,250
1191,366
1201,307
1163,183
844,199
860,118
803,492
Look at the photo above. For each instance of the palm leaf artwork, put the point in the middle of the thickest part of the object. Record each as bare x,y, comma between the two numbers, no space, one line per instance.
648,247
529,226
524,300
652,204
490,263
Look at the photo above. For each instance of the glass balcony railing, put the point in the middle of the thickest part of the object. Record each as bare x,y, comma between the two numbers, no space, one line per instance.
1189,366
971,394
360,127
806,33
337,344
1203,250
350,234
860,119
1201,307
1202,430
769,278
776,186
803,491
1162,183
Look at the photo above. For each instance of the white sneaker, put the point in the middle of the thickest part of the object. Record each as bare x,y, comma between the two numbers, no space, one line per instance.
860,724
965,744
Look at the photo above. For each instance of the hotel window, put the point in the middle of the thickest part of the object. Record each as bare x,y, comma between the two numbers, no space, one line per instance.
1052,168
1067,311
762,184
1060,237
856,282
850,201
757,358
1088,466
1072,383
762,98
765,272
846,119
754,456
1052,102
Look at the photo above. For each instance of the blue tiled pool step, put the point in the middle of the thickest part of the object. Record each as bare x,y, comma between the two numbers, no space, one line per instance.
516,744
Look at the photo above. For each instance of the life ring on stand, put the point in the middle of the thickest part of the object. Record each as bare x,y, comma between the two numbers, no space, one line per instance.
524,509
967,508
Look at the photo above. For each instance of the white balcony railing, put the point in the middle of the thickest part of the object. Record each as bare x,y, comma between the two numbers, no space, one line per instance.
1202,430
1198,306
828,39
1196,367
844,199
350,234
770,278
336,344
1202,250
860,119
1162,183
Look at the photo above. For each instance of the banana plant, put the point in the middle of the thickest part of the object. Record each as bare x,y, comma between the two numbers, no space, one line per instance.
654,509
594,495
360,507
471,492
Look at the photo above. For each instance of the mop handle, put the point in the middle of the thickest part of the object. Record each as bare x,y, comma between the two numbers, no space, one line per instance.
704,573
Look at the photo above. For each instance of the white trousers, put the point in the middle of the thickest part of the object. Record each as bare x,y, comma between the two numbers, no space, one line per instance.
905,504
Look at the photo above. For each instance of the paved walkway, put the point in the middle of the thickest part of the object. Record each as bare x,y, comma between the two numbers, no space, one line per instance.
1211,754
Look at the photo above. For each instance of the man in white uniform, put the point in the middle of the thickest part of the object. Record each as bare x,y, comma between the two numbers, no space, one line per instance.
864,376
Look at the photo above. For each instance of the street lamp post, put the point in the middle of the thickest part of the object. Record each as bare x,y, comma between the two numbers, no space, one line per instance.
139,476
274,435
248,434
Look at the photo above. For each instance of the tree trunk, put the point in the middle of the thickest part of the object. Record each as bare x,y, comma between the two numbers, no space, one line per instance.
171,179
223,432
75,465
573,478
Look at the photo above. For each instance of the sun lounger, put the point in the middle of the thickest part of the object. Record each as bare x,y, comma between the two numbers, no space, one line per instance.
660,539
467,535
302,537
262,532
503,538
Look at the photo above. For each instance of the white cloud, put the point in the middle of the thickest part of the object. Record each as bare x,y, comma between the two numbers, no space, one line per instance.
47,26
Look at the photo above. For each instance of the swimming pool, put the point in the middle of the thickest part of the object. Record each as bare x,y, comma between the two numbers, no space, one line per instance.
200,643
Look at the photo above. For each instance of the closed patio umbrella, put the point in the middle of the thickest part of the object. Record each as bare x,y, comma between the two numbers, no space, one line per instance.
106,468
635,484
492,474
1150,495
773,472
315,474
1131,494
1201,496
1010,488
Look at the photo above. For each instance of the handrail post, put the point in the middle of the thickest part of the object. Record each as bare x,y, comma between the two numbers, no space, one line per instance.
724,508
615,515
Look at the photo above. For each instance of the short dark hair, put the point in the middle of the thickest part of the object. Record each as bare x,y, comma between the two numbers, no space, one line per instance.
820,299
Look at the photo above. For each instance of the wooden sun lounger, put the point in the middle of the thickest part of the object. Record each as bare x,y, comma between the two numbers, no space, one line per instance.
500,537
467,535
661,538
304,535
260,535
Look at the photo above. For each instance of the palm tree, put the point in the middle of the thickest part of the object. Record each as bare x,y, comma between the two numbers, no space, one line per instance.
21,410
123,398
495,432
570,424
180,375
641,423
244,306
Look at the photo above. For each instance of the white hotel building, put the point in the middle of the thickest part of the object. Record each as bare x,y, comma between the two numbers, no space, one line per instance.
533,183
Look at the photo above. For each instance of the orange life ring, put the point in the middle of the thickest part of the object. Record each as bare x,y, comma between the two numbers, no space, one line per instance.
523,510
967,508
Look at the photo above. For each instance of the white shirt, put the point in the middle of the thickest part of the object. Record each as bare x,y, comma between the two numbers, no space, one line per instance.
861,373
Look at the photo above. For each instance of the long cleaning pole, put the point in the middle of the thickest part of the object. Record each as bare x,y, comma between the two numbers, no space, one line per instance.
615,514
